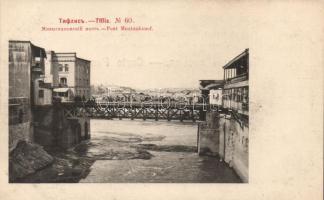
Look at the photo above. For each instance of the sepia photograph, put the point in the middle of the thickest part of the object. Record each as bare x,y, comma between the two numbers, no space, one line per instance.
65,128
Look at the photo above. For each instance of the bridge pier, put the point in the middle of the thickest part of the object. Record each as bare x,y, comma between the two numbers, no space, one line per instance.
144,115
156,113
193,115
202,114
181,115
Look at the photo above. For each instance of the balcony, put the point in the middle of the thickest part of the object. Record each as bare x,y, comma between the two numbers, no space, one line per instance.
45,85
62,85
239,78
37,67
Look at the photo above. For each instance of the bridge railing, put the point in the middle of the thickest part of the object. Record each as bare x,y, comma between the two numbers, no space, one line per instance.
160,105
166,105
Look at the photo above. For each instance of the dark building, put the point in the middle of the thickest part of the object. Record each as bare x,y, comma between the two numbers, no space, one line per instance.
26,63
236,87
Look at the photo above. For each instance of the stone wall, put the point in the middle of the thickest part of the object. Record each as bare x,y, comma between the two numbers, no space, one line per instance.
20,127
53,129
222,135
208,135
19,132
234,145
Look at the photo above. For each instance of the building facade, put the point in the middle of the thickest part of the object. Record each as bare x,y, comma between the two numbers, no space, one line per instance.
234,136
69,75
34,77
236,87
225,132
26,65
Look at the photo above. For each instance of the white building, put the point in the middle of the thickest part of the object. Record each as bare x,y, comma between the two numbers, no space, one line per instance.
212,91
215,96
42,92
69,75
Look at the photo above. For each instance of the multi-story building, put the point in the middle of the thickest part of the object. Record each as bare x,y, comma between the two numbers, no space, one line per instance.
32,78
26,66
226,132
69,75
236,88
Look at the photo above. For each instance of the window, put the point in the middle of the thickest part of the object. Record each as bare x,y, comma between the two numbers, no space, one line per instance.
41,94
60,67
63,94
63,81
40,83
239,94
66,66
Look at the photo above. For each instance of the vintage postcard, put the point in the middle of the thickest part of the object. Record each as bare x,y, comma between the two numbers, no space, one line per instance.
162,100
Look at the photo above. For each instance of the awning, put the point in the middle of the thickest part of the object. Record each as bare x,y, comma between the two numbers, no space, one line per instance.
210,84
213,86
61,89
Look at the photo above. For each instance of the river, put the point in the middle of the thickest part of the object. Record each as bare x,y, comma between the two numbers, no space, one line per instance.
135,151
128,151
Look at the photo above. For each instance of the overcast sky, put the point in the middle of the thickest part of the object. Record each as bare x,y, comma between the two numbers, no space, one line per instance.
189,42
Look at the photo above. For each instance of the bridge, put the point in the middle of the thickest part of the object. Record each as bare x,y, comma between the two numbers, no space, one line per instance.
136,110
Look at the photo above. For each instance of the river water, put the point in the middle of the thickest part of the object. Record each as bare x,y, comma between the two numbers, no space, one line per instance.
137,151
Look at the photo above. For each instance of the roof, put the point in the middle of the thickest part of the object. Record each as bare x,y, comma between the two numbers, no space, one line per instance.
213,86
232,63
37,51
204,83
65,53
69,54
61,89
83,59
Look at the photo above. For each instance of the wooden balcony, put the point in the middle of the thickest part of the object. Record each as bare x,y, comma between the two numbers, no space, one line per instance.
239,78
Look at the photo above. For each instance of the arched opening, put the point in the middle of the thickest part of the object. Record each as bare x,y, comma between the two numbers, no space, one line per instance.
86,131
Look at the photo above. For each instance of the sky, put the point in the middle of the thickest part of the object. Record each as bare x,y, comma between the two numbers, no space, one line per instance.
189,42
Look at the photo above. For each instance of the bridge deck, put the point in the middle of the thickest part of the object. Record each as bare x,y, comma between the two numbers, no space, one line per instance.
136,110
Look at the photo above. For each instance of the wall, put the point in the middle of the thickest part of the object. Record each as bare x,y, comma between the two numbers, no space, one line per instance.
234,144
49,71
19,69
82,78
19,132
208,135
222,135
53,129
19,93
60,59
47,97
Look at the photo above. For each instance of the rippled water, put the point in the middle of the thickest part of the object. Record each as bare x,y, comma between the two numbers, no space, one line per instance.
118,147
